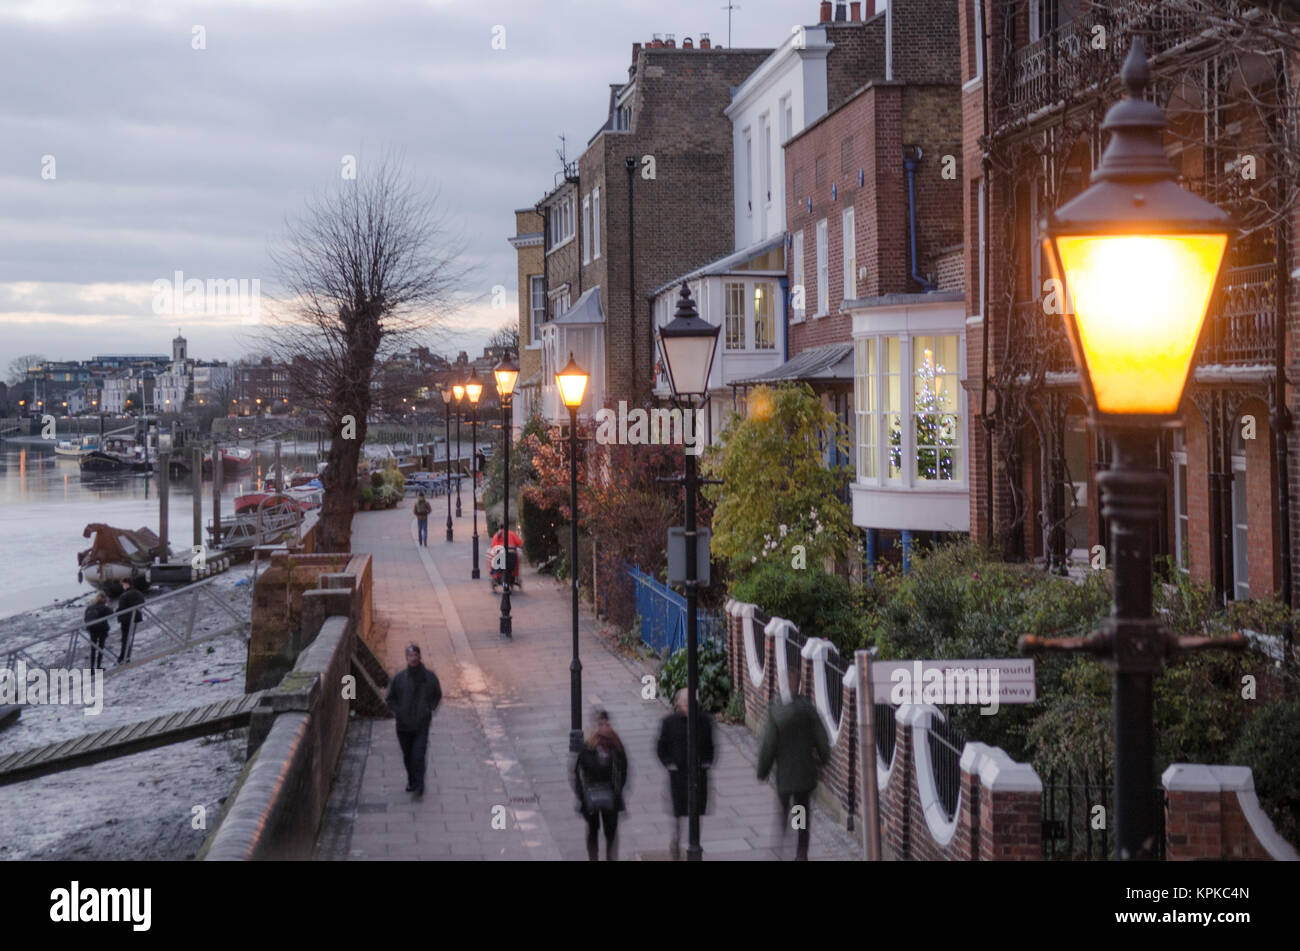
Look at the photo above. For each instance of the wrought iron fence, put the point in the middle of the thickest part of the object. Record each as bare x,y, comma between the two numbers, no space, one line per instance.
885,730
1077,812
1243,317
794,643
946,745
834,689
662,612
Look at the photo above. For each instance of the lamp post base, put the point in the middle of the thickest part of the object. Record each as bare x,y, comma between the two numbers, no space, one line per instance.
449,529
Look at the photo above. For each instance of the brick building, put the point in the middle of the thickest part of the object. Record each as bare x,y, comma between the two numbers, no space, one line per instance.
527,242
636,208
1037,82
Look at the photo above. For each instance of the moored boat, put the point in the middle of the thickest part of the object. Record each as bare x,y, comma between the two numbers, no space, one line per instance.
116,554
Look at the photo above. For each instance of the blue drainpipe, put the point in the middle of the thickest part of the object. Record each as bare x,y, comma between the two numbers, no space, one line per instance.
907,550
912,159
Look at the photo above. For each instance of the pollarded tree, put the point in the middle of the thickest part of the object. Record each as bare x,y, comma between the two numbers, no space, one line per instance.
778,499
365,268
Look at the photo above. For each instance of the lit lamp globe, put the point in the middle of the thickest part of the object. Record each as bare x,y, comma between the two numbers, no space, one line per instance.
458,390
1137,257
473,388
506,373
572,381
688,343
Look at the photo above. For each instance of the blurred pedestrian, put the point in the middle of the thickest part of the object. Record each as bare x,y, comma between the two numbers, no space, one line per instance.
131,598
673,732
422,510
600,778
795,741
96,620
413,695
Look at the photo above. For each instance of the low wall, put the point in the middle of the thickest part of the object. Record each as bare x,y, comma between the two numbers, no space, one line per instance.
1211,812
295,737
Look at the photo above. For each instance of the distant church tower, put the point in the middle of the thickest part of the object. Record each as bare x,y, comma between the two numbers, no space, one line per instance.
178,347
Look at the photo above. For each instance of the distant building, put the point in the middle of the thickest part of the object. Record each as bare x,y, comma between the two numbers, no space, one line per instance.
528,244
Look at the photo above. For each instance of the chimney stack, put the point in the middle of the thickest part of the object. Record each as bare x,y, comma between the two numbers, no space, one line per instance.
855,11
656,42
670,41
825,12
841,11
636,51
687,44
868,9
705,42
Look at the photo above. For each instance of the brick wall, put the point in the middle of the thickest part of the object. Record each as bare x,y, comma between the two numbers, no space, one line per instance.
1211,812
528,262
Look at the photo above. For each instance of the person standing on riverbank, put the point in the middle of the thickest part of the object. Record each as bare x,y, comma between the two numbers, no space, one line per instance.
96,622
131,598
422,510
413,695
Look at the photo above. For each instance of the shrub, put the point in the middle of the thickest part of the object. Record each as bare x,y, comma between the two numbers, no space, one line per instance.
714,684
821,605
1270,746
367,494
540,530
376,479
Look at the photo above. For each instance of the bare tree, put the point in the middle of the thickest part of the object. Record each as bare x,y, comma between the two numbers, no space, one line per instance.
364,268
506,336
18,366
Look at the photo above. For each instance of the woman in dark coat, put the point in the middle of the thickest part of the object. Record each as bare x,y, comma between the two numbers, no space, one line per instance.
600,777
672,753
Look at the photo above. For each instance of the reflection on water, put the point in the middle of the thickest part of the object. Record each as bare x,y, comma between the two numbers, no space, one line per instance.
45,504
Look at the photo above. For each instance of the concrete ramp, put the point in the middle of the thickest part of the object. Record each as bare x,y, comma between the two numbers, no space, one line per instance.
127,739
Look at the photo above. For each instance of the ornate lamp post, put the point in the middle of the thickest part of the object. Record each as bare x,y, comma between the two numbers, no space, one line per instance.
458,391
1138,257
446,395
689,344
572,381
506,373
473,390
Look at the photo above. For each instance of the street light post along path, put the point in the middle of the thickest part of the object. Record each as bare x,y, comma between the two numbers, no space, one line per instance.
689,344
458,391
473,390
1137,256
572,381
445,392
506,373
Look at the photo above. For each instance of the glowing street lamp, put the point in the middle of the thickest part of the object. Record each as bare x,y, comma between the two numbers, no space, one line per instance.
689,343
1137,256
506,373
572,381
458,392
473,390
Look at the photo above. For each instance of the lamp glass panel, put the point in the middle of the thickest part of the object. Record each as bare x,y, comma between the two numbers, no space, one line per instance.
505,381
689,359
572,387
1139,302
458,391
474,391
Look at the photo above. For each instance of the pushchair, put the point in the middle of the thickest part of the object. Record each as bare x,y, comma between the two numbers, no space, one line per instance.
503,561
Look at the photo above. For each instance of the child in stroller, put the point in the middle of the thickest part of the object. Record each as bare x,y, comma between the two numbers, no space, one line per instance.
502,560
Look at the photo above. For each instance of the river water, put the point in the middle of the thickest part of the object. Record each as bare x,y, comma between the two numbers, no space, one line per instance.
45,505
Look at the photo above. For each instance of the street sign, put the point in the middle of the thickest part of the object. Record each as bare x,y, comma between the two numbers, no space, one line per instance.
982,681
677,555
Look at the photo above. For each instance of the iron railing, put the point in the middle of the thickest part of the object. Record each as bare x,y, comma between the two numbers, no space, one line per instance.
662,612
834,689
885,730
794,643
946,744
1077,812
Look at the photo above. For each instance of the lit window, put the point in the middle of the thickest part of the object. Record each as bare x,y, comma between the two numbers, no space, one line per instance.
936,403
764,316
892,389
864,389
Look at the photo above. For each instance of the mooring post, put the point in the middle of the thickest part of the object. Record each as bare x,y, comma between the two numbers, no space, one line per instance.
163,460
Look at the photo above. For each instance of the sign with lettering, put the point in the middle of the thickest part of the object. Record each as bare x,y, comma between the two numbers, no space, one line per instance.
986,682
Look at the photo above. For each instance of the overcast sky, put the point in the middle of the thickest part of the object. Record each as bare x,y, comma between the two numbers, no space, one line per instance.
169,158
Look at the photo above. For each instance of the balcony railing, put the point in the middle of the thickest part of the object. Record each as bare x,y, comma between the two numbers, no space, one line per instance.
1068,61
1241,331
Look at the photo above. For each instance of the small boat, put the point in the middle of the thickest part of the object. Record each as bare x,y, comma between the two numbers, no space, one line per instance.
74,448
116,554
233,461
118,454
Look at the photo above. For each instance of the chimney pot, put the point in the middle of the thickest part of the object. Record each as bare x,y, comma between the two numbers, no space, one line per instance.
855,11
670,41
868,9
705,43
841,11
825,12
687,44
636,51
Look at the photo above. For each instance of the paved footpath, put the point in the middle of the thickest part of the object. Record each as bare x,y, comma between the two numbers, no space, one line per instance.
499,743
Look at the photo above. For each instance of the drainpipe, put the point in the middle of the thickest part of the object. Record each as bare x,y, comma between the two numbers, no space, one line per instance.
986,422
911,159
630,164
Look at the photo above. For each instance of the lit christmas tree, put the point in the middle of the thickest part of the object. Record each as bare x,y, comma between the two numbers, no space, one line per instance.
936,427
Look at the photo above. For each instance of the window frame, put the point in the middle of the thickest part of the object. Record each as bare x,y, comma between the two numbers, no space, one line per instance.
595,223
849,238
586,228
798,314
536,285
728,287
1240,530
769,290
1182,512
823,269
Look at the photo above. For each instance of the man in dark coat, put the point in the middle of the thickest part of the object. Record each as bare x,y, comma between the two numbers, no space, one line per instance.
672,753
795,740
131,598
413,696
97,627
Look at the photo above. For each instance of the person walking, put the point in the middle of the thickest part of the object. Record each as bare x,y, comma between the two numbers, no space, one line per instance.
131,598
795,740
422,510
672,753
413,695
600,779
97,625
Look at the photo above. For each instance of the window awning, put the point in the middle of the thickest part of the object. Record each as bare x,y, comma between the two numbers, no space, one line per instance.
829,363
585,310
736,261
